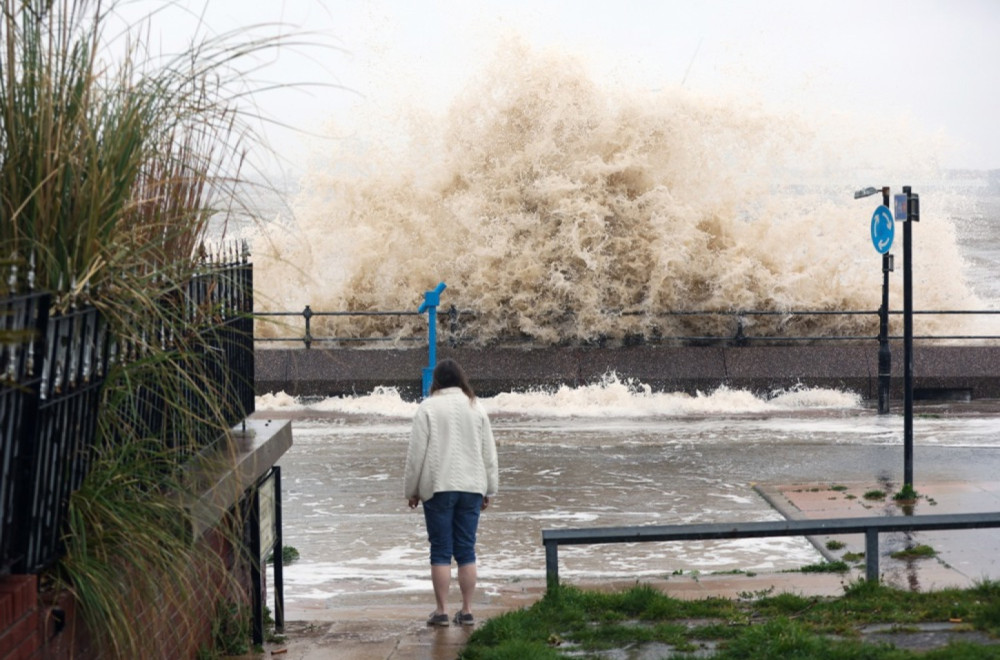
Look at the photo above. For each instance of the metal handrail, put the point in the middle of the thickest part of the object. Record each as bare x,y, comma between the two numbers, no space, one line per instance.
869,526
450,319
308,338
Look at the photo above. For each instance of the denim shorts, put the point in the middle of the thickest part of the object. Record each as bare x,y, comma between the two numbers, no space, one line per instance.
452,518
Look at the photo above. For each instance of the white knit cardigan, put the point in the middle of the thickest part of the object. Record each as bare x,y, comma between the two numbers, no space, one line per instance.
451,447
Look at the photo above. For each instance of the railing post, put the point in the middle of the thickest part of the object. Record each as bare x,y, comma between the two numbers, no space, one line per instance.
452,324
307,314
740,338
551,564
279,569
871,555
252,513
431,300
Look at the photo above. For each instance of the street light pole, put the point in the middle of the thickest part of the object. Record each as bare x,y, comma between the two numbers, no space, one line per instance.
912,215
884,352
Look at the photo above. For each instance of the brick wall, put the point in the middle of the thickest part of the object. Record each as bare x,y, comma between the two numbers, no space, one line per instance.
19,635
48,626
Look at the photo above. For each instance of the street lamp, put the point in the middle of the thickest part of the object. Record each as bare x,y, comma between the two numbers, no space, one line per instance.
909,203
884,352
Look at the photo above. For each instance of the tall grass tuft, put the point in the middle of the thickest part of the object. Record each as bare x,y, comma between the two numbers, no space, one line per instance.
109,160
129,561
112,162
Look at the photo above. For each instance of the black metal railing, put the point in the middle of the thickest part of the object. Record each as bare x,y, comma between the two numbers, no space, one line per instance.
52,369
454,328
73,371
308,338
23,320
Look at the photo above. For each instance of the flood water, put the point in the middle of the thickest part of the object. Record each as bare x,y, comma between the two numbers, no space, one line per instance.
569,460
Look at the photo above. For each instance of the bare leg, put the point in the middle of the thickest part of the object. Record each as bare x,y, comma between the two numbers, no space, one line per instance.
467,583
441,579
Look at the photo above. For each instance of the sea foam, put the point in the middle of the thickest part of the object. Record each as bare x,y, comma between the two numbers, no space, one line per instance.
560,209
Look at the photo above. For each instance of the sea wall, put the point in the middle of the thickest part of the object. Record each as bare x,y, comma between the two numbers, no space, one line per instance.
939,371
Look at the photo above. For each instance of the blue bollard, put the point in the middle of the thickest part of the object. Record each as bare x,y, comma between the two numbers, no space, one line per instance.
431,301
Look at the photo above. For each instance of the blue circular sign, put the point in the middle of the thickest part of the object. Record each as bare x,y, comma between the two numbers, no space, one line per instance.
883,229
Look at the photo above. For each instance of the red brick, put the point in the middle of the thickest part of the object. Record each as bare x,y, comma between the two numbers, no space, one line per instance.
28,649
23,589
6,611
21,640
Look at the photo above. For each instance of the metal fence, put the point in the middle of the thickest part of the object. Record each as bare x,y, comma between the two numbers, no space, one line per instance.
308,338
52,369
23,320
452,325
57,460
871,527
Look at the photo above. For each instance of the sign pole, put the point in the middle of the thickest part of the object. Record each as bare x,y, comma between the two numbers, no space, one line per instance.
884,351
912,215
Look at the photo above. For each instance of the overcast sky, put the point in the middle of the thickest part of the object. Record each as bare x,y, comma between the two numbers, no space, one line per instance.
935,62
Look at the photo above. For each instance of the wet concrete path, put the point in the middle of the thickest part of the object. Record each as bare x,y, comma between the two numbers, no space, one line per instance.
362,578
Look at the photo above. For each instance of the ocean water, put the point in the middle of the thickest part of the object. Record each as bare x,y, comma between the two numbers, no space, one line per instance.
609,453
551,202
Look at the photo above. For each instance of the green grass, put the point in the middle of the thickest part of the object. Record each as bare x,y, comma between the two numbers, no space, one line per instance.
826,567
586,623
916,552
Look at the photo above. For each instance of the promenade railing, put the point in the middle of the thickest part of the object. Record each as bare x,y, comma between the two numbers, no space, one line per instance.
453,327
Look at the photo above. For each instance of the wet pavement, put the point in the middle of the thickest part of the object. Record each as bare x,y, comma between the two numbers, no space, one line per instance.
390,625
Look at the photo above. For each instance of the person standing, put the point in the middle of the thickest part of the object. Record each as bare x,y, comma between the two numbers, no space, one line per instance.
451,466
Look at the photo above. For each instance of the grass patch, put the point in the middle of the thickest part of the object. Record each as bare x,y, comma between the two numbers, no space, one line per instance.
906,494
874,495
916,552
589,624
834,545
736,571
289,554
826,567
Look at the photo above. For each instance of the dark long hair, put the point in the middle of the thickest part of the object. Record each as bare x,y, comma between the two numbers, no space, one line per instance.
447,373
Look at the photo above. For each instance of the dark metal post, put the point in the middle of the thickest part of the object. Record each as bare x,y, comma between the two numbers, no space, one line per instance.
256,577
911,217
871,555
279,564
551,564
884,352
307,313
